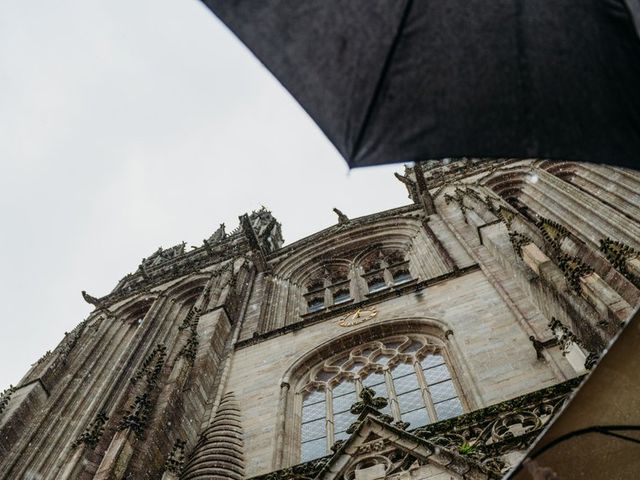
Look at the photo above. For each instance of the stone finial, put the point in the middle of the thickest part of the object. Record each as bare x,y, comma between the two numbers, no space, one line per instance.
143,270
219,234
342,218
368,400
368,404
5,396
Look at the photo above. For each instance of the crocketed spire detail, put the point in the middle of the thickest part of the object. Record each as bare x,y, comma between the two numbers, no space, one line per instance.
219,452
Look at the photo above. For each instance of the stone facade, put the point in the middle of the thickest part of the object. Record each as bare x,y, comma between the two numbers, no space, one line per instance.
506,278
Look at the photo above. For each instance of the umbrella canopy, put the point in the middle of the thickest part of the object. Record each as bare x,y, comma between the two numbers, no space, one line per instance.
401,80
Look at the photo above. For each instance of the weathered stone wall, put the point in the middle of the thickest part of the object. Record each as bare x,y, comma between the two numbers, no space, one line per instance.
494,359
95,370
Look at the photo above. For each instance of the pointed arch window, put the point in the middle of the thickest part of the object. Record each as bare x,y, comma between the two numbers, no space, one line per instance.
330,287
408,370
385,268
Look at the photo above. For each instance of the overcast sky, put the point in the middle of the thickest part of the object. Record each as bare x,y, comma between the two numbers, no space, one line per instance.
129,125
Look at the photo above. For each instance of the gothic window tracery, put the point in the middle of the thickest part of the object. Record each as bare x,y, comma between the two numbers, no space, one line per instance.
409,370
385,268
330,287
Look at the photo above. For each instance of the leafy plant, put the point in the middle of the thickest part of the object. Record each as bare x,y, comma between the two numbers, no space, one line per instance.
466,449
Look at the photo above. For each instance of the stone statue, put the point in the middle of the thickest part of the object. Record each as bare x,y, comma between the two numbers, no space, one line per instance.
219,234
342,218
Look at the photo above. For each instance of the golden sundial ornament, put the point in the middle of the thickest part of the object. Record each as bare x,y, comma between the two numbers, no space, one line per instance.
361,315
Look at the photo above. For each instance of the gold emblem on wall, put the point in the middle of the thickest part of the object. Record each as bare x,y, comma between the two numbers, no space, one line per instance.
361,315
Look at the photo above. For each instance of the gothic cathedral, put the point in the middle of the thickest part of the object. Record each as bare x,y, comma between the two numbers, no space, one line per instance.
431,341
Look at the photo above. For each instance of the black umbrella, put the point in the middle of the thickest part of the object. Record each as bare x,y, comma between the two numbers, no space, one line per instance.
402,80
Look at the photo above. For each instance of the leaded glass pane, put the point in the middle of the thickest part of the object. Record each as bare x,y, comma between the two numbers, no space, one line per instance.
341,296
401,277
437,374
373,379
313,411
387,409
416,418
343,387
341,421
383,359
366,352
413,347
356,367
432,361
410,401
315,305
448,409
344,402
341,436
402,369
442,391
379,386
324,376
406,383
314,396
313,449
377,285
314,429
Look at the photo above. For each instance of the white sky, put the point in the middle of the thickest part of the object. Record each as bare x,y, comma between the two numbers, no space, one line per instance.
127,125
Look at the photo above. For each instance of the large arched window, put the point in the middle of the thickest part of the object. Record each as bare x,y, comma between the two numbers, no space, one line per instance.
408,370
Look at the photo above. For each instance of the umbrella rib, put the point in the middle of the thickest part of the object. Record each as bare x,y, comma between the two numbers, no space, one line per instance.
383,74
